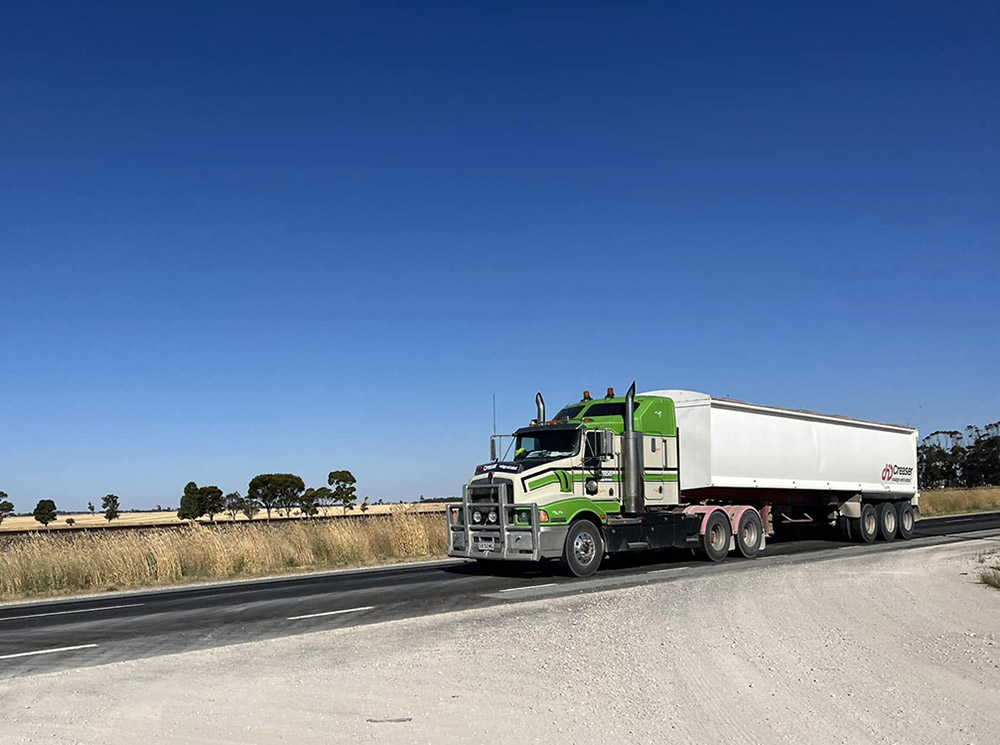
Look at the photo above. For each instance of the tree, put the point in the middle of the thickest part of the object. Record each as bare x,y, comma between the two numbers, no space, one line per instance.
212,501
324,498
234,505
275,490
90,506
308,503
45,511
250,507
70,521
344,492
110,506
6,507
364,505
190,508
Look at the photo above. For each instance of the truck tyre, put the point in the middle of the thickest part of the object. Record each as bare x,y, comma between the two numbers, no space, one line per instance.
584,548
749,534
887,521
716,538
865,528
905,520
844,528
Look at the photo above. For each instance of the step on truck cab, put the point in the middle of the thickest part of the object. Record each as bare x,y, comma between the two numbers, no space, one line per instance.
680,469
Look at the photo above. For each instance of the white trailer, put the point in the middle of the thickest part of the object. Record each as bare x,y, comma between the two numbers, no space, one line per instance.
728,444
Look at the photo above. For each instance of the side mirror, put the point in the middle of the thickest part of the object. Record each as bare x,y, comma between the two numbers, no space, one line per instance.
601,444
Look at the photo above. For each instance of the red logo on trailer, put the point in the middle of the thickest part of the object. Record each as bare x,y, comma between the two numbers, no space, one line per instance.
887,472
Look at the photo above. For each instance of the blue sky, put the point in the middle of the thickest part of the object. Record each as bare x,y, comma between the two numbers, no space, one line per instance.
246,238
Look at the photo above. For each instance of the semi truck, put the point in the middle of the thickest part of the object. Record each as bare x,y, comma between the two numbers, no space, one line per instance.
681,469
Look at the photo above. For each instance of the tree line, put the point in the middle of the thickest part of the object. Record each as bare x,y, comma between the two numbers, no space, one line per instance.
268,492
950,458
45,510
271,492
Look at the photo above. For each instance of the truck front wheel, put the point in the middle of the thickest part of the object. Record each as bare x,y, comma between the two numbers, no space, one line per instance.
584,548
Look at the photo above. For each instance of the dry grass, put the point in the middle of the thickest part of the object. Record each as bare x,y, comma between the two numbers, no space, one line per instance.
87,520
989,572
53,564
958,501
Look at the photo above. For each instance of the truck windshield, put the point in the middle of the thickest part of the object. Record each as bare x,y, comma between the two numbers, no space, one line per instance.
556,443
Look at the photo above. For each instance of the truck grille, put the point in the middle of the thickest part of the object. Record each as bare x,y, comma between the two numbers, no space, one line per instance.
487,492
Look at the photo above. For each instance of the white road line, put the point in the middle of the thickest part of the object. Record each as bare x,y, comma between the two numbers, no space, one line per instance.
331,613
528,587
661,571
69,612
46,651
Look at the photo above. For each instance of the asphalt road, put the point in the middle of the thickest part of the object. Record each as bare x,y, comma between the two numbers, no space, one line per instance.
56,635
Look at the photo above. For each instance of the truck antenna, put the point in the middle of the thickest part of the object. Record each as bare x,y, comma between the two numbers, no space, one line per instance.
494,413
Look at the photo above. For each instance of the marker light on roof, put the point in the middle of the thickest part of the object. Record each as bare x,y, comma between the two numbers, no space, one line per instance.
611,392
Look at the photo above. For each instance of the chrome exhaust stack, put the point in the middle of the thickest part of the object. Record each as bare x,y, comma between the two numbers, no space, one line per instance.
540,405
633,487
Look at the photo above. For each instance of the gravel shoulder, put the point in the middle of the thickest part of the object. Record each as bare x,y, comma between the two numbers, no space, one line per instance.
898,647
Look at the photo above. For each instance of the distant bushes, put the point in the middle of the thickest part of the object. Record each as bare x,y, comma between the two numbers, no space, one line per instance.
44,564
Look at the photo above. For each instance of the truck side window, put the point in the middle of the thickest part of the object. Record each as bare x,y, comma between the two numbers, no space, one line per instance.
570,412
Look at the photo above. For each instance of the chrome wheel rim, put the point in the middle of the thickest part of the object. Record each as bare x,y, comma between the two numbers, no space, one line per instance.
907,520
717,537
869,523
750,536
584,548
890,522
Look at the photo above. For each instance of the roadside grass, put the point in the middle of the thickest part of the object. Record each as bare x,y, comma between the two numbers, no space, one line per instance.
989,572
43,564
959,501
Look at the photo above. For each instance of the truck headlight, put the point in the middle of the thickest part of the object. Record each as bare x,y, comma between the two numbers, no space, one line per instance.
492,517
477,517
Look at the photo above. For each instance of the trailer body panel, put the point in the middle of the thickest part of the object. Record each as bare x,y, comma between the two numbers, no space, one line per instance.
737,445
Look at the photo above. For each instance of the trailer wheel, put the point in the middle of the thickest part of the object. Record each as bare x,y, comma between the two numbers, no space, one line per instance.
584,548
715,540
749,534
905,520
887,521
844,528
865,528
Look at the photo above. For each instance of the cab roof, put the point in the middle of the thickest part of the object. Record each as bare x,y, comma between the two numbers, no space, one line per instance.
654,415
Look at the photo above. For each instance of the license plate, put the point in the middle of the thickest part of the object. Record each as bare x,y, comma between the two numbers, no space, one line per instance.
486,544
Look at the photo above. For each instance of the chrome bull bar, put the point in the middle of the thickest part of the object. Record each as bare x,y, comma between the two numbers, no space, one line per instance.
506,540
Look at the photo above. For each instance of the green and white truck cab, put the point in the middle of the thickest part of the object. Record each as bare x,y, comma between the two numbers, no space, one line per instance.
566,471
680,469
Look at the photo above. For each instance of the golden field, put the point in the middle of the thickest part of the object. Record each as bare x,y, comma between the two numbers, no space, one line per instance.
87,520
47,563
959,501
